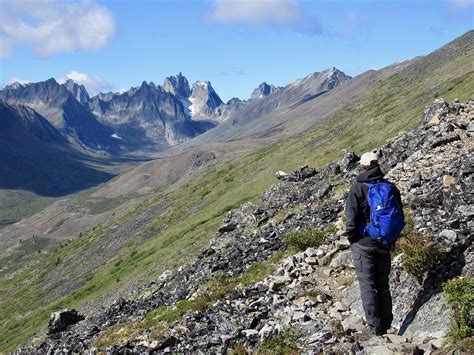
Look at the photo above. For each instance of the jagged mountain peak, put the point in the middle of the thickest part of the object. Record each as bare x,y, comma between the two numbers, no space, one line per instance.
15,85
202,85
333,71
46,90
65,107
51,81
233,100
263,90
327,73
177,85
320,81
77,90
204,99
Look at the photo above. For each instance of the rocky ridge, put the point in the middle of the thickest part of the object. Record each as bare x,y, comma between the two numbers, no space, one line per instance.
267,98
263,90
311,292
150,117
59,105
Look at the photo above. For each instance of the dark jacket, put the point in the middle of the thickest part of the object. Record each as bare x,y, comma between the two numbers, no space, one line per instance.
357,208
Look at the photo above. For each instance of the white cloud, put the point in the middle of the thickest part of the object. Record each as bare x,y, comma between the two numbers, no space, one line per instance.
260,13
15,79
54,26
92,83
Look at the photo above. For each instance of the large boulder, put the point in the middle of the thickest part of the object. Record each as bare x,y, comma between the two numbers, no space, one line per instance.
431,320
59,321
348,160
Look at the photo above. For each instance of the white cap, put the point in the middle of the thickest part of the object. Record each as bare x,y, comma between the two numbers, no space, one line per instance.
367,158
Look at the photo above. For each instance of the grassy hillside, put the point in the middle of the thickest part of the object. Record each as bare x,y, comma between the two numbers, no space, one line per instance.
30,181
180,223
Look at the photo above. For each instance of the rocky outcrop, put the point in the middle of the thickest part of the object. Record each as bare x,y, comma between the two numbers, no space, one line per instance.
61,320
310,293
78,91
263,90
178,86
204,100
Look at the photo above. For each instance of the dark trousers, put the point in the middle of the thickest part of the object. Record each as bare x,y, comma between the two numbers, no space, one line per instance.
372,266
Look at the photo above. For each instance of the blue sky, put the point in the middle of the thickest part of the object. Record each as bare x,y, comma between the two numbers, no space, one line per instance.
235,44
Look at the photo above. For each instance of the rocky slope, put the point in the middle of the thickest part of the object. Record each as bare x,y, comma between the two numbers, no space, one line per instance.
248,287
23,126
132,248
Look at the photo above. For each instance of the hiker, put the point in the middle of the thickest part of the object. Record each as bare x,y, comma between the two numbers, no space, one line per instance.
374,222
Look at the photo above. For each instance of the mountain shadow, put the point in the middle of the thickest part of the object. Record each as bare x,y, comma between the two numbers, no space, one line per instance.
34,156
46,172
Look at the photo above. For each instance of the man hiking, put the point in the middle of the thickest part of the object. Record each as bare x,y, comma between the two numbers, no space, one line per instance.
374,222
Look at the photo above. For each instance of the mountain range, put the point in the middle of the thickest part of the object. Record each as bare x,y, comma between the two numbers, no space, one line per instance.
150,117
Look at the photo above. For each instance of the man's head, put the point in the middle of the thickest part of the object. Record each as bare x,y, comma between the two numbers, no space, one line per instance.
368,160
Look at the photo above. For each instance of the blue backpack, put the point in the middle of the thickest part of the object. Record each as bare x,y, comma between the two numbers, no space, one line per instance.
386,215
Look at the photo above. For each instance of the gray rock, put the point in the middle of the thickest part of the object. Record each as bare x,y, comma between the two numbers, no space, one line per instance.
61,320
449,138
342,259
432,319
439,107
449,234
416,180
250,332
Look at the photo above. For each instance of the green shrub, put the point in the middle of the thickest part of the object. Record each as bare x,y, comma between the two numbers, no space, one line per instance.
170,314
283,343
409,223
419,254
459,295
117,334
330,229
304,238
